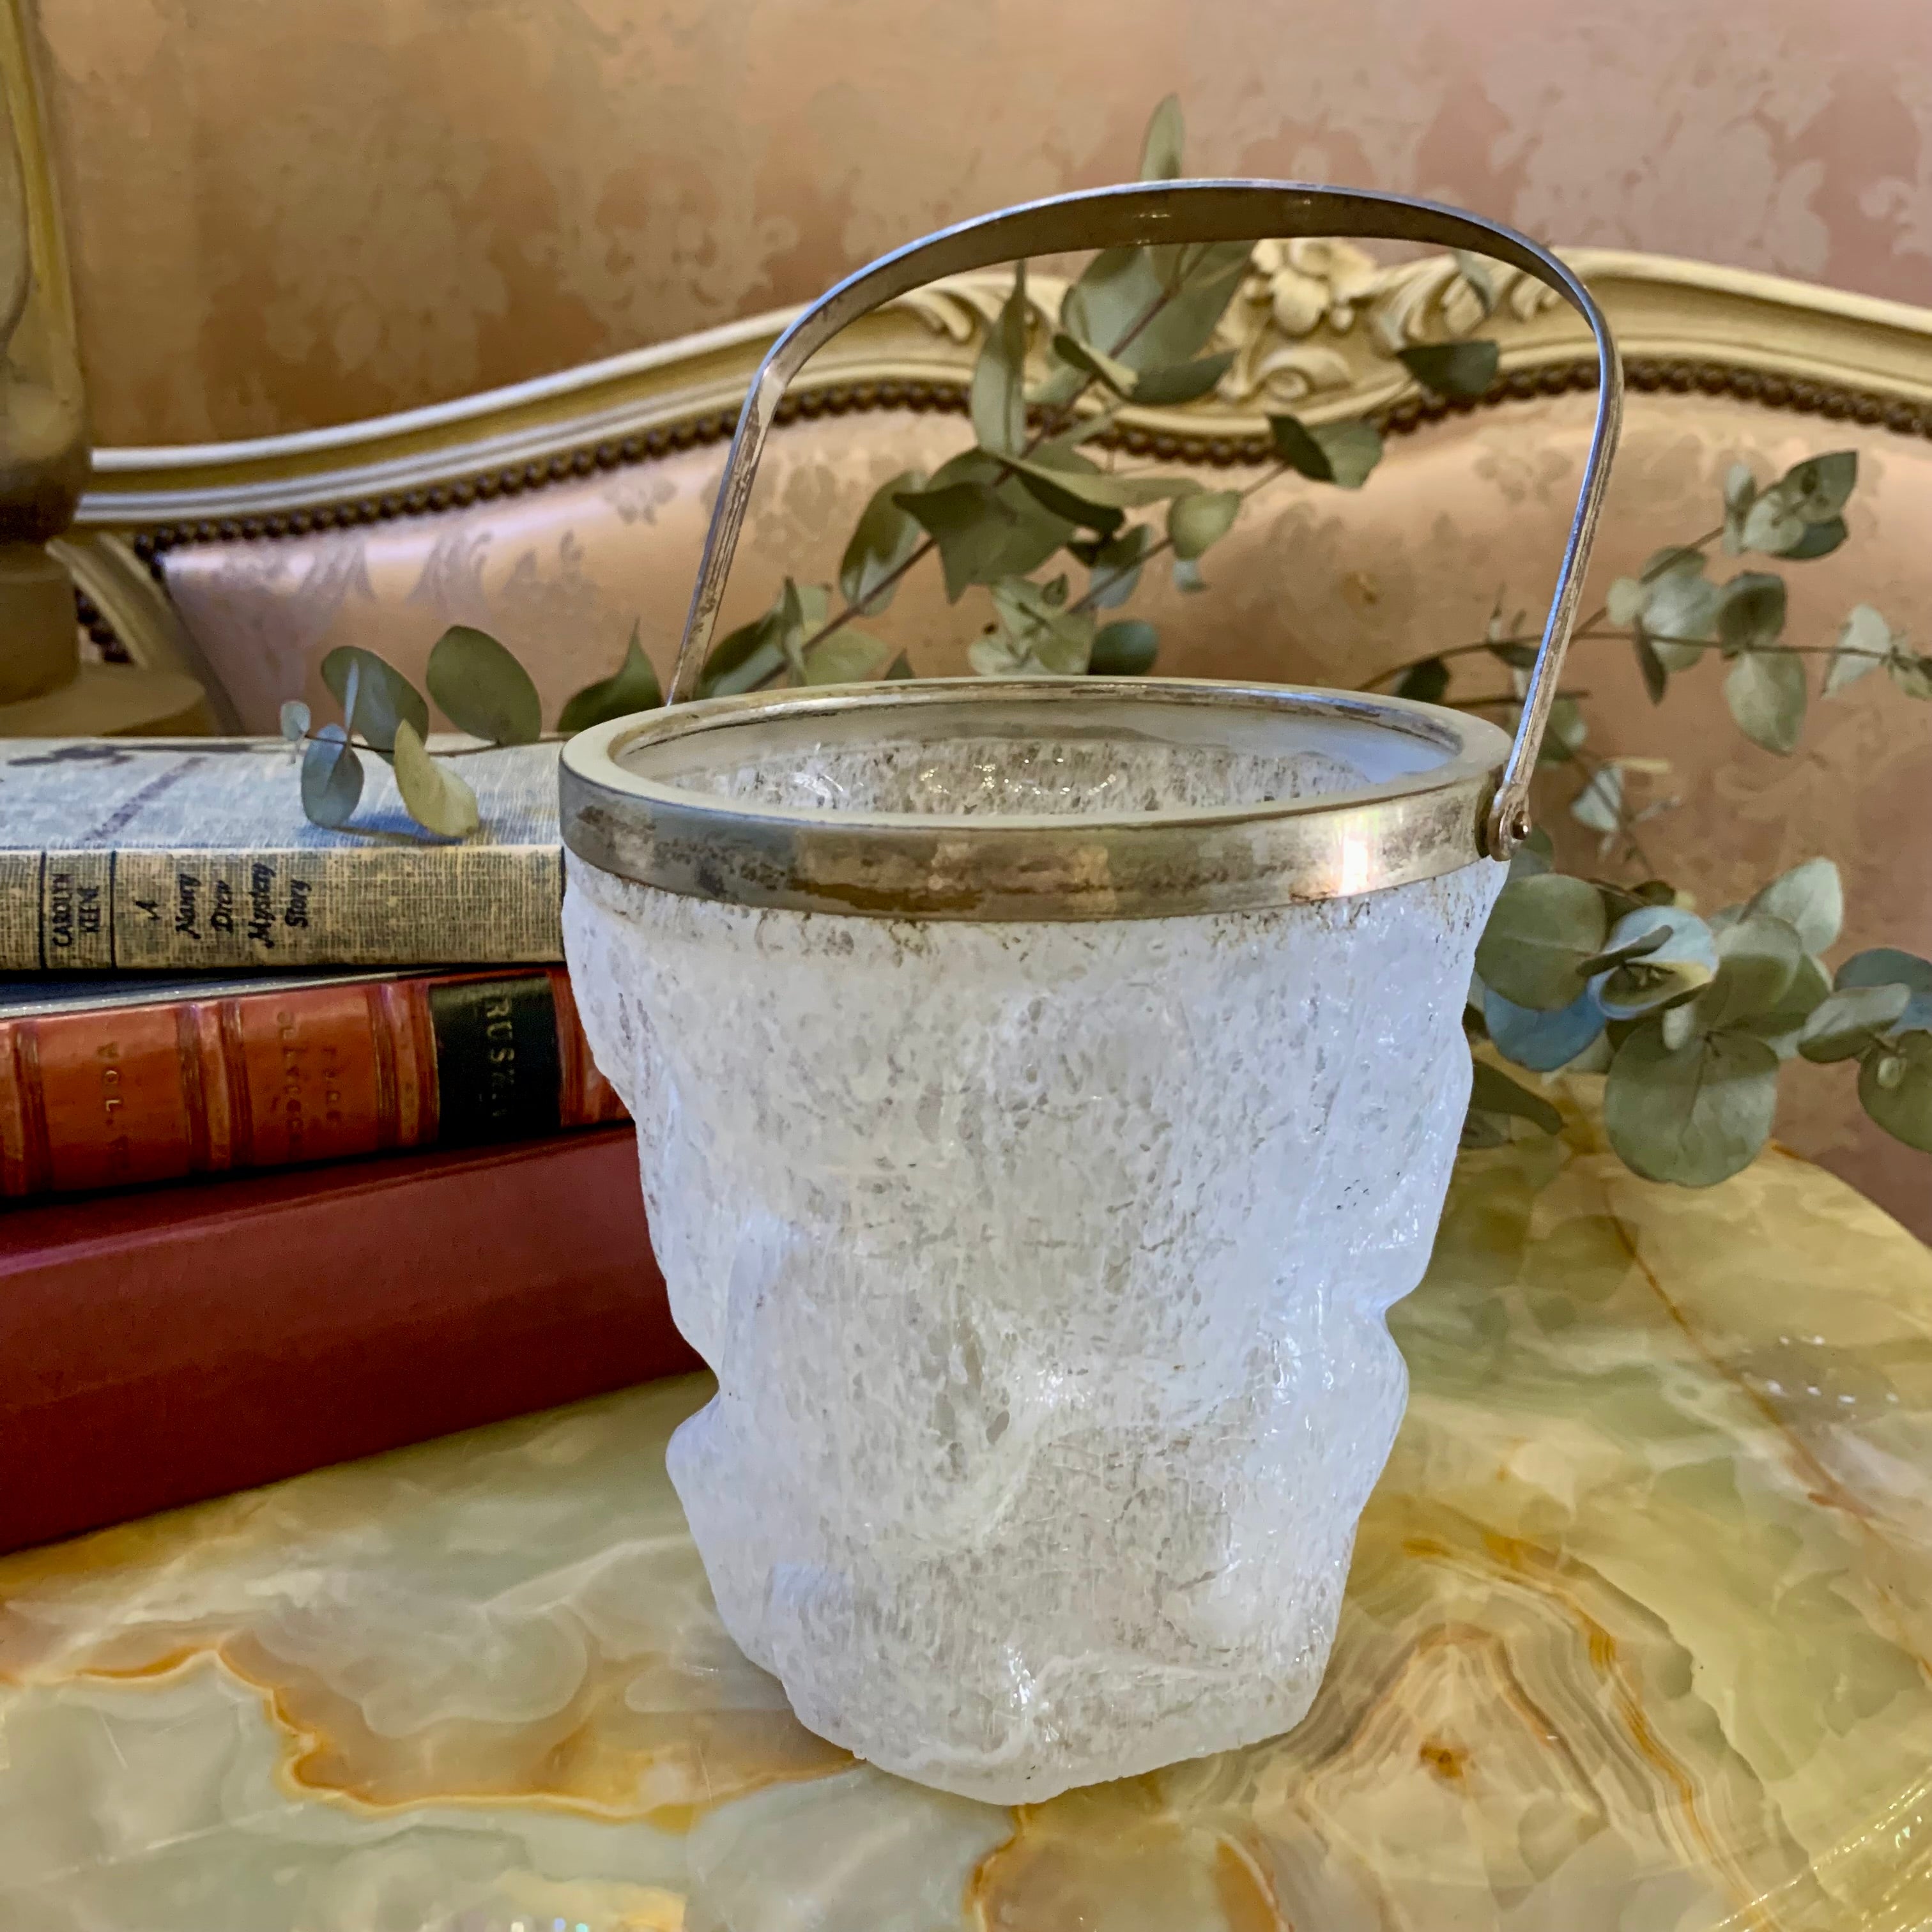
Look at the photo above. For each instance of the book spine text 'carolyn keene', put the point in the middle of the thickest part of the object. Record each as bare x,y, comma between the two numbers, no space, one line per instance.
374,905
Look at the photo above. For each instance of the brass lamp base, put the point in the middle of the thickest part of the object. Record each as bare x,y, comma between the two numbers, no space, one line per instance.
46,690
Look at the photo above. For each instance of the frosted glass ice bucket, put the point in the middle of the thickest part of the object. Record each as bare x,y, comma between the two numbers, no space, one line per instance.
1043,1088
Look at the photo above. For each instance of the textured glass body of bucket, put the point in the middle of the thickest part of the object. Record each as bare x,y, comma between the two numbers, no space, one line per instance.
1043,1268
1043,1090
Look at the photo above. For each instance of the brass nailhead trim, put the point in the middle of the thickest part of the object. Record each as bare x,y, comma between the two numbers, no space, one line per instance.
1648,374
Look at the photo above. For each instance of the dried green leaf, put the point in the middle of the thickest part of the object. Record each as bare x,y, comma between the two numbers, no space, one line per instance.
1694,1113
1865,641
1757,959
1091,488
1542,1042
1895,1089
1818,540
332,778
383,696
1766,691
1182,382
1912,674
1781,1025
433,794
1600,804
1427,683
1093,362
1151,308
984,532
1187,575
744,659
1339,453
482,689
847,656
1454,369
633,686
1740,494
1539,934
1750,612
294,721
1117,567
886,537
1650,666
1846,1024
1493,1091
1161,150
1124,648
899,670
1810,898
1197,522
1653,957
1040,636
998,397
1890,966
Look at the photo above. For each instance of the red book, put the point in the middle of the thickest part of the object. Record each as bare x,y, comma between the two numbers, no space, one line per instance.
117,1083
161,1347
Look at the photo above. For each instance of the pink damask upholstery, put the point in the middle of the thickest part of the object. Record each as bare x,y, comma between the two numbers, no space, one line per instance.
1315,586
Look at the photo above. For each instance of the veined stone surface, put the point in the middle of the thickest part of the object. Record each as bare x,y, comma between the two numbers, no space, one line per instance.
1044,1269
1635,1640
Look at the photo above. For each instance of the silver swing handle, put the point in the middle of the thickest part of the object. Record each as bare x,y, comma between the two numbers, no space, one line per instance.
1152,213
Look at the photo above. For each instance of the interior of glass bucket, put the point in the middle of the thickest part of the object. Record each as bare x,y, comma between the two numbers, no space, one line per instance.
1058,752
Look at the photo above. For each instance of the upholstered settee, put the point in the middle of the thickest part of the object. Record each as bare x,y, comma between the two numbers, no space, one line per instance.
560,514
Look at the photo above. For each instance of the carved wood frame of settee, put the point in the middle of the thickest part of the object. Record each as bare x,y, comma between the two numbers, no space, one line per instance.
1315,329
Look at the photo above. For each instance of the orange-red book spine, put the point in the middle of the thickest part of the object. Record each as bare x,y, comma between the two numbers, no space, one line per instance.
118,1095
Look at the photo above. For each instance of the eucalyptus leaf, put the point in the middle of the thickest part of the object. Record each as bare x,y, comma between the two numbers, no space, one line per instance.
482,689
433,794
1187,575
1653,956
1865,641
1895,1089
1123,649
1781,1025
1427,683
1197,522
1818,540
1912,674
1092,488
1740,494
294,721
1493,1091
1890,966
1341,453
1476,272
332,778
998,394
1650,666
1811,898
1182,382
1694,1113
1117,567
1679,608
1161,150
899,670
1845,1024
881,546
383,697
983,533
632,686
1599,804
847,656
1539,933
1750,612
1541,1041
1766,691
1094,362
1757,959
1151,308
743,659
1454,369
1041,637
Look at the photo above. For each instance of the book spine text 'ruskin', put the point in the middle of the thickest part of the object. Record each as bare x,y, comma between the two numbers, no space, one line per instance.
377,905
121,1096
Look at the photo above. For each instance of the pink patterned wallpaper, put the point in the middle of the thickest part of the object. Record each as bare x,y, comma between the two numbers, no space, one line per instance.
287,213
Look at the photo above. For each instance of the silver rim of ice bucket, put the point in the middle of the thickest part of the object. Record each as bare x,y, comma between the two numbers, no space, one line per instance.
1473,804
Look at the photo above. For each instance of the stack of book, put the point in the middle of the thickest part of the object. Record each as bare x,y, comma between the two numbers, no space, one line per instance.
302,1151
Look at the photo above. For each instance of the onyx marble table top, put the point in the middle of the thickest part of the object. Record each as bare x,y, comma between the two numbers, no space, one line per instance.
1636,1640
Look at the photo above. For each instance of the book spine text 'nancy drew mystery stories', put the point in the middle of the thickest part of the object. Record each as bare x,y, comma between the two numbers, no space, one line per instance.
119,854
